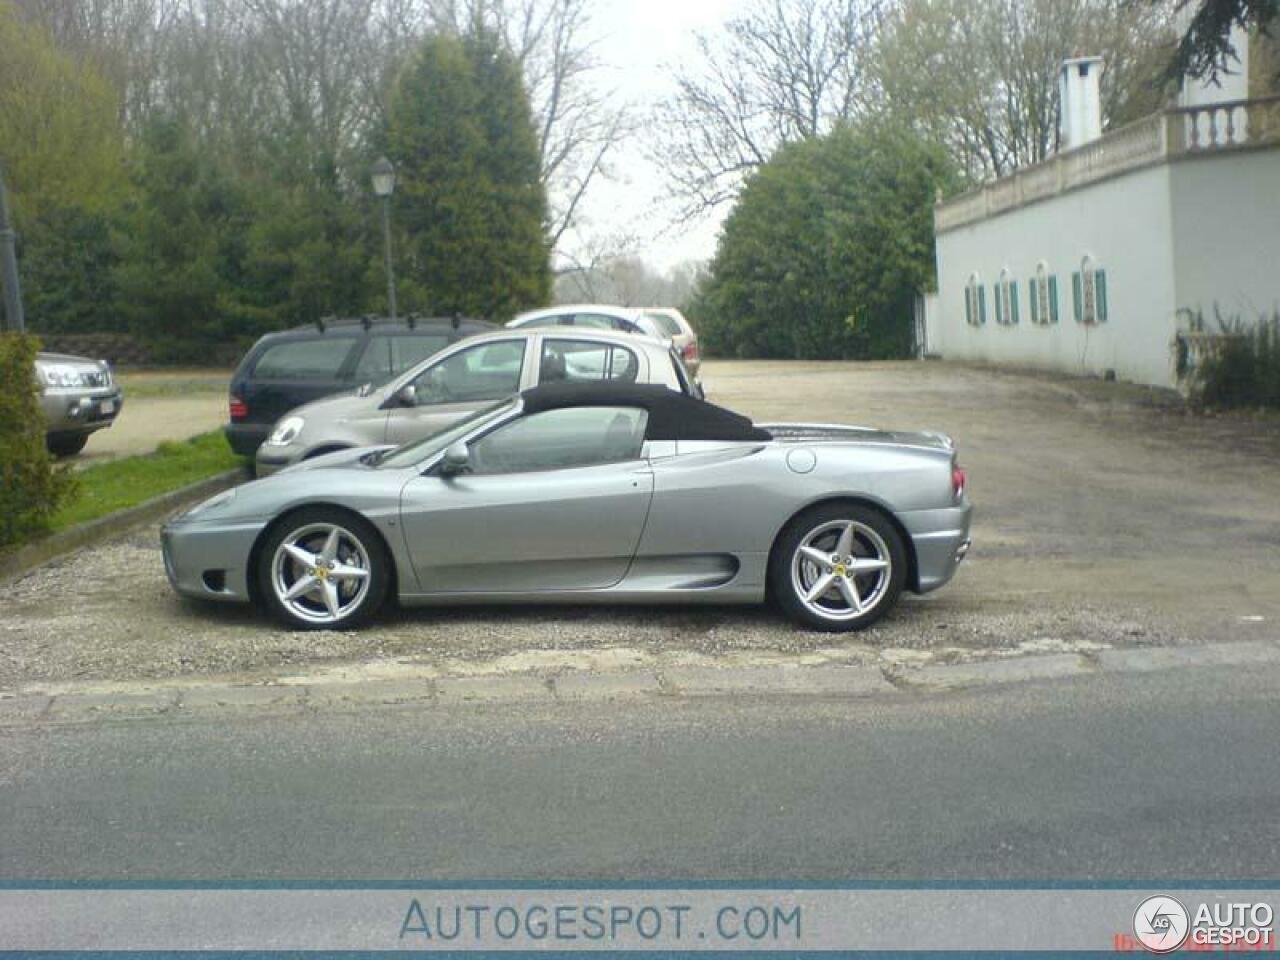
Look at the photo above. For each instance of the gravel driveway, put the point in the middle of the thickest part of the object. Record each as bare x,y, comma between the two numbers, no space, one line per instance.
1103,517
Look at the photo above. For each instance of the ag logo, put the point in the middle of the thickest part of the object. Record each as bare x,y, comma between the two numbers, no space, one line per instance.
1161,924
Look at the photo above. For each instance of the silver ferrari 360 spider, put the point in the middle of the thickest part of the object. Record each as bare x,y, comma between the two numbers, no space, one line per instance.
590,492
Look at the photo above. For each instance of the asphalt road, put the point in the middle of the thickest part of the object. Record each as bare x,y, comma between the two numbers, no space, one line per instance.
1129,776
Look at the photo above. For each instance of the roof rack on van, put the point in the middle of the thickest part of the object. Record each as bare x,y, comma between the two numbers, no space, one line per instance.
321,322
457,319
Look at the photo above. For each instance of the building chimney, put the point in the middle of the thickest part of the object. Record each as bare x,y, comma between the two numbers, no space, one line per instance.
1081,101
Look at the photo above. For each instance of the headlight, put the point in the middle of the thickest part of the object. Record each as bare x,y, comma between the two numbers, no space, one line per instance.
61,375
285,432
213,502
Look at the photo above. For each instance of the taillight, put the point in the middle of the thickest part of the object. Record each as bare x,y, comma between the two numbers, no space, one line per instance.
959,479
690,351
239,409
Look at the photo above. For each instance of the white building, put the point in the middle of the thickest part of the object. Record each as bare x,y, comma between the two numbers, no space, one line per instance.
1100,259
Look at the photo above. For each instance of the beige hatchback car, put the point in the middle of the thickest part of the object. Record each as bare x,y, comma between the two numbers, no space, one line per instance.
461,379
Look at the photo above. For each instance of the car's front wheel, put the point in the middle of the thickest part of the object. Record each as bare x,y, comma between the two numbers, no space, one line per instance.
838,567
66,444
323,569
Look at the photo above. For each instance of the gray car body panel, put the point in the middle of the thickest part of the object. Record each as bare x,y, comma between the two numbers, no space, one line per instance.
359,419
686,523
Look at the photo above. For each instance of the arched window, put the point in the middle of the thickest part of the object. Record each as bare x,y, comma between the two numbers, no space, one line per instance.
1006,299
1043,294
975,302
1089,292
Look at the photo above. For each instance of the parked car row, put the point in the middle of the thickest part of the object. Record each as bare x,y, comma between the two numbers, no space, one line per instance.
571,457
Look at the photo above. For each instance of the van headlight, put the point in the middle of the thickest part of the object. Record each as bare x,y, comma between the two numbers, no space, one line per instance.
286,432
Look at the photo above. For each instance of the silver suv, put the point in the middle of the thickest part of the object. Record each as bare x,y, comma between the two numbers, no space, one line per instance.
77,396
461,379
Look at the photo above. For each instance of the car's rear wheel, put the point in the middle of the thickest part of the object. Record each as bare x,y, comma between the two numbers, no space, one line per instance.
66,444
323,569
838,567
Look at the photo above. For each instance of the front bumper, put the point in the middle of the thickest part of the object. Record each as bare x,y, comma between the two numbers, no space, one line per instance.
273,460
941,541
77,410
209,560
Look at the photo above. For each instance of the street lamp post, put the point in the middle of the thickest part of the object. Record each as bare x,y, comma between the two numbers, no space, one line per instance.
384,182
9,267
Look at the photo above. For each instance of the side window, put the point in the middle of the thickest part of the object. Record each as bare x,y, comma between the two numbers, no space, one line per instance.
558,439
375,362
318,359
487,371
579,360
409,349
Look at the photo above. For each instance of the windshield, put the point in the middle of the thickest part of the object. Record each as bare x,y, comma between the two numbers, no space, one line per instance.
419,450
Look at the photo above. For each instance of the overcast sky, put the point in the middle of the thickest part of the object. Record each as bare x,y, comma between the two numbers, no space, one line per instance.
637,38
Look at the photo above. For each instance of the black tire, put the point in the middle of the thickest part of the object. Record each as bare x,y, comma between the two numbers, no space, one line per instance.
66,444
879,590
361,532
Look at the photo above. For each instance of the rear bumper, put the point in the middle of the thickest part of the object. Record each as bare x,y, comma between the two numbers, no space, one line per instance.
245,438
941,541
80,411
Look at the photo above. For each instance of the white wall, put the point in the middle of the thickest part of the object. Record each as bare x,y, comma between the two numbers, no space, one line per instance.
1125,224
1226,221
1232,85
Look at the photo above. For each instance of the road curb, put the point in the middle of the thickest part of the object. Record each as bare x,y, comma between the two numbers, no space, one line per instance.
33,555
830,681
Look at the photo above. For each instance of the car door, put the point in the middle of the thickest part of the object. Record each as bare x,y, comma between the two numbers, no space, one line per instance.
556,500
456,384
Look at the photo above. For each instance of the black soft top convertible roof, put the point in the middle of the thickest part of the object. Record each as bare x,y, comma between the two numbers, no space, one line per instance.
672,415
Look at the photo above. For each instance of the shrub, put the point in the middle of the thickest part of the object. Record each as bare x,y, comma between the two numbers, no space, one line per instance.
1244,368
31,487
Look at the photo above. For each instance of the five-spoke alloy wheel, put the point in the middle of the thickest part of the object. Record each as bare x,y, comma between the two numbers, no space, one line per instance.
838,567
323,569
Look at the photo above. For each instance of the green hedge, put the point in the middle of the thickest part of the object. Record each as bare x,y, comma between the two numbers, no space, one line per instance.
31,487
1244,370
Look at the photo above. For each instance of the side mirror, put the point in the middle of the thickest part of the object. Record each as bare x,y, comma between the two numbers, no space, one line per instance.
457,459
407,396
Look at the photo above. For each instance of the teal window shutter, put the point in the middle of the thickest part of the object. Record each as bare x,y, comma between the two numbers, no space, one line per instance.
1053,300
1013,302
982,303
1034,298
1077,297
999,292
1100,286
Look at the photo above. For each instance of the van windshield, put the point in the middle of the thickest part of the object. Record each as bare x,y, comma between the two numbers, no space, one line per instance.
419,450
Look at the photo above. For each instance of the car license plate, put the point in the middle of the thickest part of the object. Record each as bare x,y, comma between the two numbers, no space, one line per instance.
107,407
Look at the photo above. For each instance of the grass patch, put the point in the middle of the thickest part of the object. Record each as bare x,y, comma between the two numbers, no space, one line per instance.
119,484
150,383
